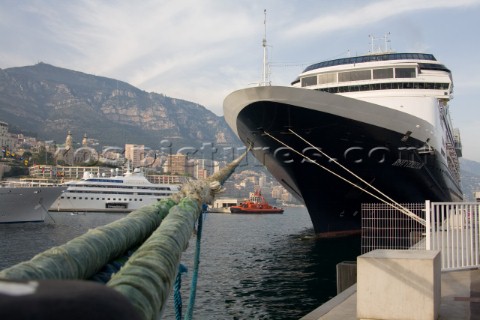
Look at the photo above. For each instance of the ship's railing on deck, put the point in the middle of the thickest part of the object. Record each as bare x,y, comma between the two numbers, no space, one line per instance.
453,228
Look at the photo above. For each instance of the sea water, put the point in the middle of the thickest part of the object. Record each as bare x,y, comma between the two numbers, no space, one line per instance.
251,266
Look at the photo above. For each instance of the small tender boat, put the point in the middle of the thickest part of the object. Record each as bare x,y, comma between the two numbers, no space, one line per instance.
255,204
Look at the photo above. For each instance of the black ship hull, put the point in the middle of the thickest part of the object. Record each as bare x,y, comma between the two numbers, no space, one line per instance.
387,158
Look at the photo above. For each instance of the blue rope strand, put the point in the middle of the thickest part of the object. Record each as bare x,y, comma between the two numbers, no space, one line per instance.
177,296
193,288
105,274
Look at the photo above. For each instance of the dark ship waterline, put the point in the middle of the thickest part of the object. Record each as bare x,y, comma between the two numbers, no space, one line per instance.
384,117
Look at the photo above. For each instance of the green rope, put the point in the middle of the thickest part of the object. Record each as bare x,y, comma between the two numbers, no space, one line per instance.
83,256
147,278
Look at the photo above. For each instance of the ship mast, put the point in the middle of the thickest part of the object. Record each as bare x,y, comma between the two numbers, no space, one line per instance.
265,80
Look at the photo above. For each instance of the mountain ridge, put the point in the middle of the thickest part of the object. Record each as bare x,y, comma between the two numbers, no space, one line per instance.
52,101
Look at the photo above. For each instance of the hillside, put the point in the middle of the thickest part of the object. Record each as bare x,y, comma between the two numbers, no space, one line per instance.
470,174
50,101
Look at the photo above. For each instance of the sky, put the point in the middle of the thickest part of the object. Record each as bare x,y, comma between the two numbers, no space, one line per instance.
201,50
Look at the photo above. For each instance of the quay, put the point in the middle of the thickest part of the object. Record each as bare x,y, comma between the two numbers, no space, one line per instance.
460,299
435,276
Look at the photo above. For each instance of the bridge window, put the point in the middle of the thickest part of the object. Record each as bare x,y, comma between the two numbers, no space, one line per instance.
309,81
354,75
327,78
383,73
405,73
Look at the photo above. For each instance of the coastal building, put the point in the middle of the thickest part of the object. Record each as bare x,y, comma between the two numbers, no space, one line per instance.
176,164
112,156
66,153
287,197
85,155
166,179
135,153
3,133
66,172
6,139
262,181
204,168
84,140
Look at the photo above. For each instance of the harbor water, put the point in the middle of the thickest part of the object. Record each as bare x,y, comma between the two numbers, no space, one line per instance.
251,266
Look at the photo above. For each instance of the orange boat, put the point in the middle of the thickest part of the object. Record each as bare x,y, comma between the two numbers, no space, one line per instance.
256,204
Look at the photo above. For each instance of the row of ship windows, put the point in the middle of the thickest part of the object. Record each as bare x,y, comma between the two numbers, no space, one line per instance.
387,86
358,75
122,187
108,199
370,58
138,193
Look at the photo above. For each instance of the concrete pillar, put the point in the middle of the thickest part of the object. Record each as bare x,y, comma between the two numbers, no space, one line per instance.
399,284
346,275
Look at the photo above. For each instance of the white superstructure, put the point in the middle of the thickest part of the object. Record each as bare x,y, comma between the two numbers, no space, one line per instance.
412,83
116,193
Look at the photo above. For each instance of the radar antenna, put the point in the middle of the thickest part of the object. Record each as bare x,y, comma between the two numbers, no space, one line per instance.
386,41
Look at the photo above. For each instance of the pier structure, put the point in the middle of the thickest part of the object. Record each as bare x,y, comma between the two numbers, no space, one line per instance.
459,299
435,276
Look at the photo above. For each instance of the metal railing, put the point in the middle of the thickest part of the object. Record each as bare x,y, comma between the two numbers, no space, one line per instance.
384,227
451,227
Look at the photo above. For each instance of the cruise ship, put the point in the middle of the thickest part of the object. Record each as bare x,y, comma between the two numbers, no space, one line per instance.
362,129
118,193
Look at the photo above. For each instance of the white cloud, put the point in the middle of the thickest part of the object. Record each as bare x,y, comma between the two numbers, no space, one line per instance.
357,15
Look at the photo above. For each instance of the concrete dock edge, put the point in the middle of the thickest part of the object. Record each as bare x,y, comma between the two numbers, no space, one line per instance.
331,304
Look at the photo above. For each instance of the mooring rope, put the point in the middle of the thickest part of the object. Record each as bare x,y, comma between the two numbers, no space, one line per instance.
349,171
392,204
147,278
85,255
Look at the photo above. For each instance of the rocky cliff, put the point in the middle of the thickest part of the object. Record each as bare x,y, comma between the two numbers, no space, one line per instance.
51,101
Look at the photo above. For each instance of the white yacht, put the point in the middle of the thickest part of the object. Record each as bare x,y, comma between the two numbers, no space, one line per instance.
26,202
118,193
